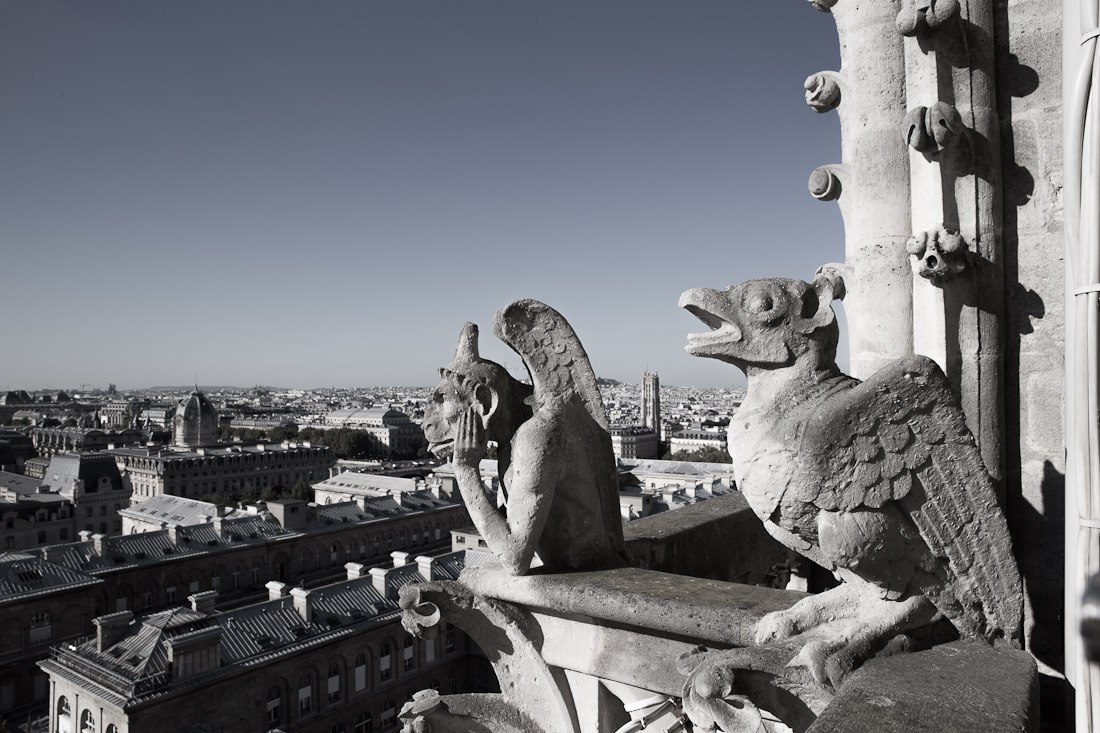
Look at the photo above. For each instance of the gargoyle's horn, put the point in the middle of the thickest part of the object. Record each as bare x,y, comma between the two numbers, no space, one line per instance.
466,352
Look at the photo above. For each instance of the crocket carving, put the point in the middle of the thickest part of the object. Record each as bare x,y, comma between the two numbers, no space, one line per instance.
878,481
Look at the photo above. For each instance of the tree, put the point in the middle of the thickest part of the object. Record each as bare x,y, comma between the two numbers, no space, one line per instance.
702,455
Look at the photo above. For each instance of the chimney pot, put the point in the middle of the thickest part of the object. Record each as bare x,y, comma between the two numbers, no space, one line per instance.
302,604
355,570
204,602
276,590
378,579
400,557
426,567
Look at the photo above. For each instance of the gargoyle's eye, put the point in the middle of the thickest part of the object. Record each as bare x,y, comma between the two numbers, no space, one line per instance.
437,397
758,303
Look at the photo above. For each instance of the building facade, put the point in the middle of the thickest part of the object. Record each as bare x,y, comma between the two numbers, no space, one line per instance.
224,468
635,442
332,658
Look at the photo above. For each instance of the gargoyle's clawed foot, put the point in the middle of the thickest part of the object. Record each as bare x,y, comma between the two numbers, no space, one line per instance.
776,626
832,605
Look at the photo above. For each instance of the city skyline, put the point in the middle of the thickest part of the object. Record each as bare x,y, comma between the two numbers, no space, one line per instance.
267,195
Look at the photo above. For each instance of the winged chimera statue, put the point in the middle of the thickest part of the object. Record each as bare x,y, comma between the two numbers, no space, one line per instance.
554,450
878,481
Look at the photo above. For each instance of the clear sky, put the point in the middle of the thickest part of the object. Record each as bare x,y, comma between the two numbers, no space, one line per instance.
315,193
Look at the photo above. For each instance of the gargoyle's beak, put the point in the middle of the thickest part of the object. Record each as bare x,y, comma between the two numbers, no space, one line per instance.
706,305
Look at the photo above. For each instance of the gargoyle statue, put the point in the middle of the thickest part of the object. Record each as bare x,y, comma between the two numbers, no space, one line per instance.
554,449
878,481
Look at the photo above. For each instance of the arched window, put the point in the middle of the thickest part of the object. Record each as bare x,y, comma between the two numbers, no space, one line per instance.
305,695
339,728
431,647
449,638
41,627
384,661
112,728
360,672
333,682
389,712
87,722
364,724
408,654
274,705
333,553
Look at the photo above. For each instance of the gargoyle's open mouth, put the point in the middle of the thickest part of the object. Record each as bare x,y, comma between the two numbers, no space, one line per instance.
442,448
722,331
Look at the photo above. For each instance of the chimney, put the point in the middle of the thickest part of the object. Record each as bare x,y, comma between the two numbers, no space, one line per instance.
85,535
378,579
276,590
99,544
111,628
219,525
426,567
302,604
400,558
355,570
174,533
204,602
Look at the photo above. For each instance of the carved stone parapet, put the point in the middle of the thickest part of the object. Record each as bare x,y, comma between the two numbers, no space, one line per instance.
932,130
941,254
825,183
823,91
921,17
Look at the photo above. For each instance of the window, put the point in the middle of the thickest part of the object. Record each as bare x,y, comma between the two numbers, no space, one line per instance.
9,542
360,672
409,653
41,627
339,728
449,638
389,712
64,533
429,650
41,537
333,682
146,600
216,582
235,580
384,662
364,724
305,695
194,587
170,594
87,722
112,728
333,554
274,705
102,510
255,573
63,707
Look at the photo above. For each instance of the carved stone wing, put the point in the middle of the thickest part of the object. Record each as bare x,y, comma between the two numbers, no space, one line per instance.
553,354
901,437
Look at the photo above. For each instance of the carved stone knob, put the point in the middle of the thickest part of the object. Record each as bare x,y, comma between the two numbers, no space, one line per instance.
920,17
822,91
933,129
824,185
823,5
941,253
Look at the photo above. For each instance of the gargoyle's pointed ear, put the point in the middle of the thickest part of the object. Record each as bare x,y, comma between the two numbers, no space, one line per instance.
817,303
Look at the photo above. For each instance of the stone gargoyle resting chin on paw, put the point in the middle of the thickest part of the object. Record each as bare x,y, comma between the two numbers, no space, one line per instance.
878,481
559,484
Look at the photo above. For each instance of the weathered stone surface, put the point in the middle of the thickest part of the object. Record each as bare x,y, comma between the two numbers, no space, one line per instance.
879,481
725,614
556,462
960,687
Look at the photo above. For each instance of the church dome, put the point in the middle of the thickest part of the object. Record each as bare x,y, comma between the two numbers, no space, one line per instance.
196,421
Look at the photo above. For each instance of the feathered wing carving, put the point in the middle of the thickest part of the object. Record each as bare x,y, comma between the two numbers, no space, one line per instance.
900,437
553,354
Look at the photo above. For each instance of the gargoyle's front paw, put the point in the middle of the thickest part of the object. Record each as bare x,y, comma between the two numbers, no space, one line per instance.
731,714
814,657
839,665
775,626
708,677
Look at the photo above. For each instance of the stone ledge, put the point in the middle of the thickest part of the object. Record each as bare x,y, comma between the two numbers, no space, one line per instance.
723,614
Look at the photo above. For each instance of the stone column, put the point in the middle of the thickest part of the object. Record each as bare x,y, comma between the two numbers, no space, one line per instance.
871,185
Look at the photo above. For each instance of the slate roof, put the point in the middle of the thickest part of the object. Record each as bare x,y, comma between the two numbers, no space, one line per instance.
65,468
24,575
18,483
171,509
137,664
352,482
